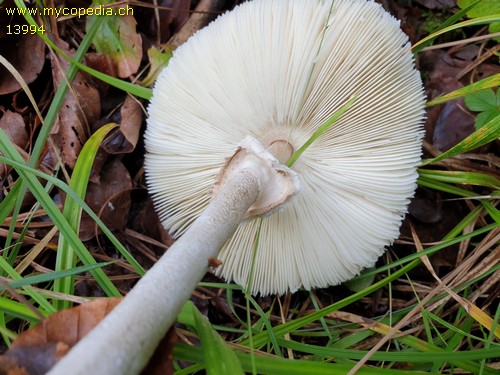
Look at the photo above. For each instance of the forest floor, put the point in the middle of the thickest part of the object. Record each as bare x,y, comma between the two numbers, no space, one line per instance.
438,214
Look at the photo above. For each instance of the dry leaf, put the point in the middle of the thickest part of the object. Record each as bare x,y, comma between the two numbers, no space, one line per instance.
13,124
124,139
27,56
117,38
38,349
103,64
81,107
109,198
172,14
449,123
426,206
35,351
204,12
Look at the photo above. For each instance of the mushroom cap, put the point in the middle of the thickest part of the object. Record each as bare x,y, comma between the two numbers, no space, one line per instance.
277,70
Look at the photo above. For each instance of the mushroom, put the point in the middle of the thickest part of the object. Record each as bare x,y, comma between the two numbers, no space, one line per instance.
277,70
235,103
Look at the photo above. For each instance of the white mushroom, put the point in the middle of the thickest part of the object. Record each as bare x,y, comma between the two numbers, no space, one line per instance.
265,77
277,70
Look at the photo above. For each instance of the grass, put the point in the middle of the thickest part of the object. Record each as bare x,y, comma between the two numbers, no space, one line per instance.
443,326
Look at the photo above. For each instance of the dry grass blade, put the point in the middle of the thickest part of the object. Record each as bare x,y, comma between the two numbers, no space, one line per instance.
20,297
36,250
415,313
480,316
23,84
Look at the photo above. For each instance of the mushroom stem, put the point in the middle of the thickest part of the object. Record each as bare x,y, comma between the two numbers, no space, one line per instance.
124,341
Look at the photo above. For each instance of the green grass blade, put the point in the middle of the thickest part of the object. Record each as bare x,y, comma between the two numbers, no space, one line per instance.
282,366
407,351
45,307
51,276
218,357
320,131
289,327
450,21
489,132
432,183
487,83
61,185
17,309
431,353
6,333
9,201
408,263
130,88
433,249
465,178
472,22
492,211
57,217
459,333
53,111
65,259
267,323
12,202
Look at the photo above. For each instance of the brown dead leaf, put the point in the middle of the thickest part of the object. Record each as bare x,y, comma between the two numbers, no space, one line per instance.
35,351
453,124
32,360
161,363
81,107
159,26
205,11
26,54
117,38
13,124
449,123
103,64
426,206
124,139
172,19
109,198
436,4
38,349
146,221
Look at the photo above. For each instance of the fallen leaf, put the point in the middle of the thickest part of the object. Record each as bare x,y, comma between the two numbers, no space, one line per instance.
26,54
146,220
124,139
103,64
32,360
80,108
13,124
426,205
204,13
109,198
158,27
173,18
36,350
448,123
436,4
453,124
117,38
157,61
161,363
